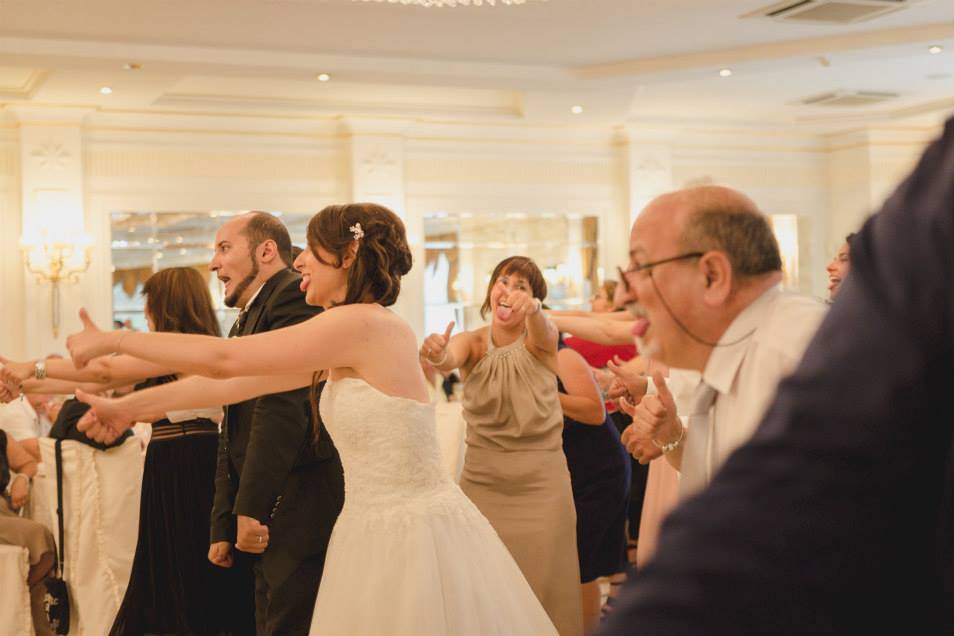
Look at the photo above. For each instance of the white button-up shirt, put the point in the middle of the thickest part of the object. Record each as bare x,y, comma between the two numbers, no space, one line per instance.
745,375
19,420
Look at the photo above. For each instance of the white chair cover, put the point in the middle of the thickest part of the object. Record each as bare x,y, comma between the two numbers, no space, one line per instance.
450,435
101,492
15,616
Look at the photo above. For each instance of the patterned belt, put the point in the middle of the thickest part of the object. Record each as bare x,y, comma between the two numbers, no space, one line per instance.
170,430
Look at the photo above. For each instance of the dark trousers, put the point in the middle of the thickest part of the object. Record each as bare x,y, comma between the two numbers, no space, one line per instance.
285,597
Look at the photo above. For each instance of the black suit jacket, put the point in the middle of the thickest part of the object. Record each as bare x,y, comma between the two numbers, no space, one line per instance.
838,516
269,467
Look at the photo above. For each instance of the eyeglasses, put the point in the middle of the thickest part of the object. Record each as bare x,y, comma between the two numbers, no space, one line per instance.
624,274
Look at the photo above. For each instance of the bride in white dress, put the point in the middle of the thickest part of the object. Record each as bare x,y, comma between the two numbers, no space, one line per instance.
410,554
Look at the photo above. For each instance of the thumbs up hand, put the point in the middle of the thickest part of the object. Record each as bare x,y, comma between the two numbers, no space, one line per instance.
654,418
434,349
90,342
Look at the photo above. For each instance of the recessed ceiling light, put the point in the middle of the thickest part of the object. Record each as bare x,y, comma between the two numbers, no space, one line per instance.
726,72
131,66
105,90
576,110
935,49
323,77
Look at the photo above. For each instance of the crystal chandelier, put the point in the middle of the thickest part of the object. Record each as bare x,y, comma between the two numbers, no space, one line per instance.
451,3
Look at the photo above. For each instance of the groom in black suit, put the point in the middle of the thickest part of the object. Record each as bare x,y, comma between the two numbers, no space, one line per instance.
271,473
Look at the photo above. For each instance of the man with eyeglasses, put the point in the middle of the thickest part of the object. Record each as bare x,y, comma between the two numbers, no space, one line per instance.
837,517
703,284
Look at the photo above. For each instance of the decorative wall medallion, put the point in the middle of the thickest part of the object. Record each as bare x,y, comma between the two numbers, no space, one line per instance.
51,154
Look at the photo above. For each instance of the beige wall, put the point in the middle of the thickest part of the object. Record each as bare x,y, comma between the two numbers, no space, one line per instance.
783,176
11,271
830,182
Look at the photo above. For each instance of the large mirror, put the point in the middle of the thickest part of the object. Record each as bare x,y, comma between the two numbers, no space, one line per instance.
461,251
145,242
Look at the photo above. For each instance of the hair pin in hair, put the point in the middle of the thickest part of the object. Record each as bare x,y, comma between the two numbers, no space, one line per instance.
357,231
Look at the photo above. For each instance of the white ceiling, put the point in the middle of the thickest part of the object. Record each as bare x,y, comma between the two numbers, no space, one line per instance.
625,61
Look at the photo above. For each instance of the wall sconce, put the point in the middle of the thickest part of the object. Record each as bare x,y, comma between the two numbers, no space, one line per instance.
54,260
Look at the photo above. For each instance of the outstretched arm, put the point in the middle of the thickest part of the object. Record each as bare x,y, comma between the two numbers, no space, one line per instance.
605,331
66,387
575,313
309,346
111,370
542,334
113,416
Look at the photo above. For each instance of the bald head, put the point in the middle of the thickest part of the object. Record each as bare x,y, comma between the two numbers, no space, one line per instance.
707,218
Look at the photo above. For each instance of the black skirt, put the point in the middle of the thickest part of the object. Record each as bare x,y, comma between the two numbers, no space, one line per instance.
173,588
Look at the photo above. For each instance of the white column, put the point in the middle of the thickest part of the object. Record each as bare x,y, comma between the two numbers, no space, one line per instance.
52,207
377,176
647,172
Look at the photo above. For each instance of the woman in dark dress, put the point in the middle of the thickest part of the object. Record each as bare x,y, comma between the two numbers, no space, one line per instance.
599,474
173,588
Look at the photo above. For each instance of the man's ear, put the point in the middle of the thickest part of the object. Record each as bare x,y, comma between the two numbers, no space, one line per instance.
717,270
268,251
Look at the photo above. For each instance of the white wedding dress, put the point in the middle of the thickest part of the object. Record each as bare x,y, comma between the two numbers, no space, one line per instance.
410,554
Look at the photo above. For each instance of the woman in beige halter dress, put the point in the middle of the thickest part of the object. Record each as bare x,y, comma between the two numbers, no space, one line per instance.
515,470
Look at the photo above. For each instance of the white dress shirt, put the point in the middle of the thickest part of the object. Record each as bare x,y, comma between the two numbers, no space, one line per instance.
19,420
745,375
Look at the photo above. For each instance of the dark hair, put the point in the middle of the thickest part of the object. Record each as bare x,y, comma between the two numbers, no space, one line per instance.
849,237
262,227
178,300
383,255
523,266
743,234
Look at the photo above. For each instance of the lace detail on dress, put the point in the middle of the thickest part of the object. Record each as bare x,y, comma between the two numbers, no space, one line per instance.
389,451
435,565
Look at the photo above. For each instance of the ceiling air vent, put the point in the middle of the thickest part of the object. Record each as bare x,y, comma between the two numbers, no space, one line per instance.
850,98
830,11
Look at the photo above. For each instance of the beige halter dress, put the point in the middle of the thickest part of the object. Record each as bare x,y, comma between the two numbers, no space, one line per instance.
515,472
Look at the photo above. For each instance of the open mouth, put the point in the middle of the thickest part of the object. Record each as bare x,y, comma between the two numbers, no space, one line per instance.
305,280
833,282
225,280
504,311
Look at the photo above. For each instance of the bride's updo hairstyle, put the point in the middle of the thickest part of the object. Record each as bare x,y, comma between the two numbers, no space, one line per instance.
383,255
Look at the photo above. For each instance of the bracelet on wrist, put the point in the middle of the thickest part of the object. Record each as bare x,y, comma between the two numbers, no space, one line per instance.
438,362
671,446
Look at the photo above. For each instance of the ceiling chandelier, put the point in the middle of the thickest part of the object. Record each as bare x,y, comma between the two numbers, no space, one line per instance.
451,3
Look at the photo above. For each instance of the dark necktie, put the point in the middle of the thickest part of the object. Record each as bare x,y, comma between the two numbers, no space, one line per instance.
239,323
